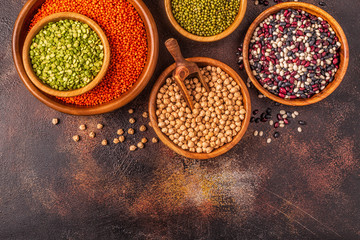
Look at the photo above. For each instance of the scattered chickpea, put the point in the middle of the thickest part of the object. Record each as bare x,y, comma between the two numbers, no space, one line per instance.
82,127
144,140
99,126
76,138
131,131
92,134
133,148
154,140
120,131
121,138
132,120
140,145
131,111
142,128
55,121
104,142
116,140
145,115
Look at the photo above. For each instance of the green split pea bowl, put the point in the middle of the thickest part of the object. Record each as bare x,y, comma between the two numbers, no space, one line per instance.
55,78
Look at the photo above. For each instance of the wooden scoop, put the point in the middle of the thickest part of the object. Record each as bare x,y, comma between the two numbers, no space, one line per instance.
183,70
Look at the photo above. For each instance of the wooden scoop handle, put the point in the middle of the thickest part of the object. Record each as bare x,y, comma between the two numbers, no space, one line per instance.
174,49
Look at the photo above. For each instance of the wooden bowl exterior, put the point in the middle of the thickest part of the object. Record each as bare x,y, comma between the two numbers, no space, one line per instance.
21,29
201,61
239,17
344,52
54,18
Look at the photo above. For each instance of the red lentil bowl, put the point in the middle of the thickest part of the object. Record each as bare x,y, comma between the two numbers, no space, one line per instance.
344,52
21,28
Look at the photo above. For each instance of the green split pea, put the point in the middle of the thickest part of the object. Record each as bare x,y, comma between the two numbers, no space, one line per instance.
205,17
66,55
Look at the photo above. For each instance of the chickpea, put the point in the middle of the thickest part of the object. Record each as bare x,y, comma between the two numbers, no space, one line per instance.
217,115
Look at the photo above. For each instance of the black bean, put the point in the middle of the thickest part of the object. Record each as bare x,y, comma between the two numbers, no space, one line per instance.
322,3
301,122
255,111
252,119
276,134
262,116
268,110
257,120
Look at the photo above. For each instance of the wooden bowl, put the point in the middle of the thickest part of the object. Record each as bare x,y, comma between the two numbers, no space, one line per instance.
54,18
228,31
21,29
344,52
202,62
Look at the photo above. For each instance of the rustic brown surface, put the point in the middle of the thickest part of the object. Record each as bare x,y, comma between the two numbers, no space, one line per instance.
301,186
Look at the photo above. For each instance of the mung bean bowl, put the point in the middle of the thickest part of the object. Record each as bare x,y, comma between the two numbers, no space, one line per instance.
321,54
230,80
208,35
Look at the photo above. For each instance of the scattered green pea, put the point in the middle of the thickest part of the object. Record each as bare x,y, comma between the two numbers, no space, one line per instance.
66,55
205,17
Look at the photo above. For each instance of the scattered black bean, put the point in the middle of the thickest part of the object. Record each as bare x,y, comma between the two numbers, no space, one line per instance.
268,110
252,119
257,120
255,111
262,116
301,122
276,134
322,3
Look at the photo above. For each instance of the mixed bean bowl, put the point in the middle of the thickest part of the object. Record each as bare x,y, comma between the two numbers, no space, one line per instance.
295,53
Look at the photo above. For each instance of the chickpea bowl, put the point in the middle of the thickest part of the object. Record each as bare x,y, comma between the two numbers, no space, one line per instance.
220,117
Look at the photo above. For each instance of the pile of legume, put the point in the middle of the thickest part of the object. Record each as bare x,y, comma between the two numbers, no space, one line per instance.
126,33
66,54
205,17
216,118
294,54
87,132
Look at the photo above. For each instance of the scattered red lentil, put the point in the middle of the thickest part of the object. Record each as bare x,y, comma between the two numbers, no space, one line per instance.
126,33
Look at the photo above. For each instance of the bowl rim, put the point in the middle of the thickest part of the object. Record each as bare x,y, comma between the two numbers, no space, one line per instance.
219,151
344,52
141,83
238,19
54,18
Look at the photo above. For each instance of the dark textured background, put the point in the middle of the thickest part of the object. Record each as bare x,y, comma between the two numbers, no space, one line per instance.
301,186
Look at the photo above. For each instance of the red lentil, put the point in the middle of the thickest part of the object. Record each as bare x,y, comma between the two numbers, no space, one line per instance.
126,33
